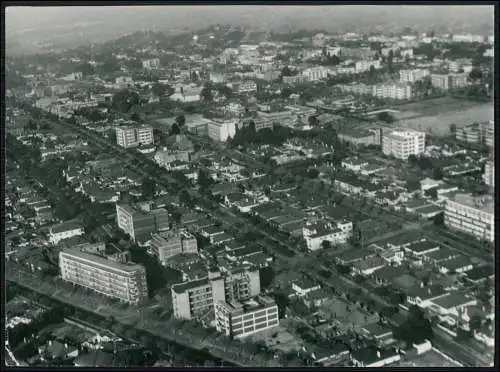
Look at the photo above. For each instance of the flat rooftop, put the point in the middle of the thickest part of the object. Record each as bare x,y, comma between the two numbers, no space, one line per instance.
484,204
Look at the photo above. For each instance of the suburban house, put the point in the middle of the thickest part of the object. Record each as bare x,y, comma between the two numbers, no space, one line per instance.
422,296
372,357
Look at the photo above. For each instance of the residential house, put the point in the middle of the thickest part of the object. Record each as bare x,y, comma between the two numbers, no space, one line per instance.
352,256
422,248
57,350
382,335
368,265
422,296
480,273
459,265
303,286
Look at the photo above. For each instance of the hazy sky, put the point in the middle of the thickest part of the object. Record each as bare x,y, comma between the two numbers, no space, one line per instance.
106,22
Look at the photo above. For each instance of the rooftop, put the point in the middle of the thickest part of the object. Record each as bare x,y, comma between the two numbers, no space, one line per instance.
484,204
480,272
66,226
78,251
451,300
423,246
186,286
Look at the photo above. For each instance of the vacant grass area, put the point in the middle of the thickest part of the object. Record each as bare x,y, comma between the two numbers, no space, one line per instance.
278,339
435,116
429,359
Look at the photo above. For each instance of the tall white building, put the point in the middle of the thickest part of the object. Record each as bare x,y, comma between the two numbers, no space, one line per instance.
129,137
365,65
411,76
241,319
221,130
489,173
315,73
402,144
474,216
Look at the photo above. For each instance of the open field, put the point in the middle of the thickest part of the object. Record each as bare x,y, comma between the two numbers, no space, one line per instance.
436,116
278,339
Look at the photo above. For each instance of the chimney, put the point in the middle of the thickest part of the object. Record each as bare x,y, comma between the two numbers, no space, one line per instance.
50,342
421,284
66,346
378,354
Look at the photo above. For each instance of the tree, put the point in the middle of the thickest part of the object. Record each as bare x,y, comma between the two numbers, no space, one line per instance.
206,93
204,180
124,100
413,160
372,70
390,58
180,120
437,173
413,185
159,89
148,187
135,117
185,198
416,329
385,116
453,129
286,71
175,130
313,173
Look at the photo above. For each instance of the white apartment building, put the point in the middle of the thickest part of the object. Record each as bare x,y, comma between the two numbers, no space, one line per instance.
449,81
411,76
151,63
316,234
129,137
241,319
489,173
402,144
467,38
365,65
489,133
195,299
315,73
167,244
393,91
85,265
474,216
65,230
221,130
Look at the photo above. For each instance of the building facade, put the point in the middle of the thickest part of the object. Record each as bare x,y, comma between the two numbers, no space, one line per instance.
83,265
170,243
393,91
129,137
134,222
241,319
474,216
411,76
449,81
402,144
221,130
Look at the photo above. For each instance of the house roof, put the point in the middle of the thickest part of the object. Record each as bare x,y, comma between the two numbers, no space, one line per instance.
98,358
451,300
424,246
481,272
66,226
305,283
370,263
389,273
186,286
442,254
375,329
353,255
426,292
456,263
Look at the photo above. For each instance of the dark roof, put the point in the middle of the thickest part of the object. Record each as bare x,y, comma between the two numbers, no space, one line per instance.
389,272
452,300
422,246
247,251
354,255
457,263
442,254
375,329
183,287
424,293
481,272
368,355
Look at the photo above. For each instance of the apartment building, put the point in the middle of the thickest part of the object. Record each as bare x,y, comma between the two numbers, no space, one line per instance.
393,91
151,63
195,299
477,133
241,319
315,73
170,243
134,222
412,76
467,38
241,283
87,266
472,215
356,88
449,81
221,130
129,137
335,233
296,79
365,65
402,144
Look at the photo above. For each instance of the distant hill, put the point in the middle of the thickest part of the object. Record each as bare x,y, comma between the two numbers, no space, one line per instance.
31,29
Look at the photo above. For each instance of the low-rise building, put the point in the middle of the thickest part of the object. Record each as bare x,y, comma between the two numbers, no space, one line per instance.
316,234
65,230
372,357
412,76
241,319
